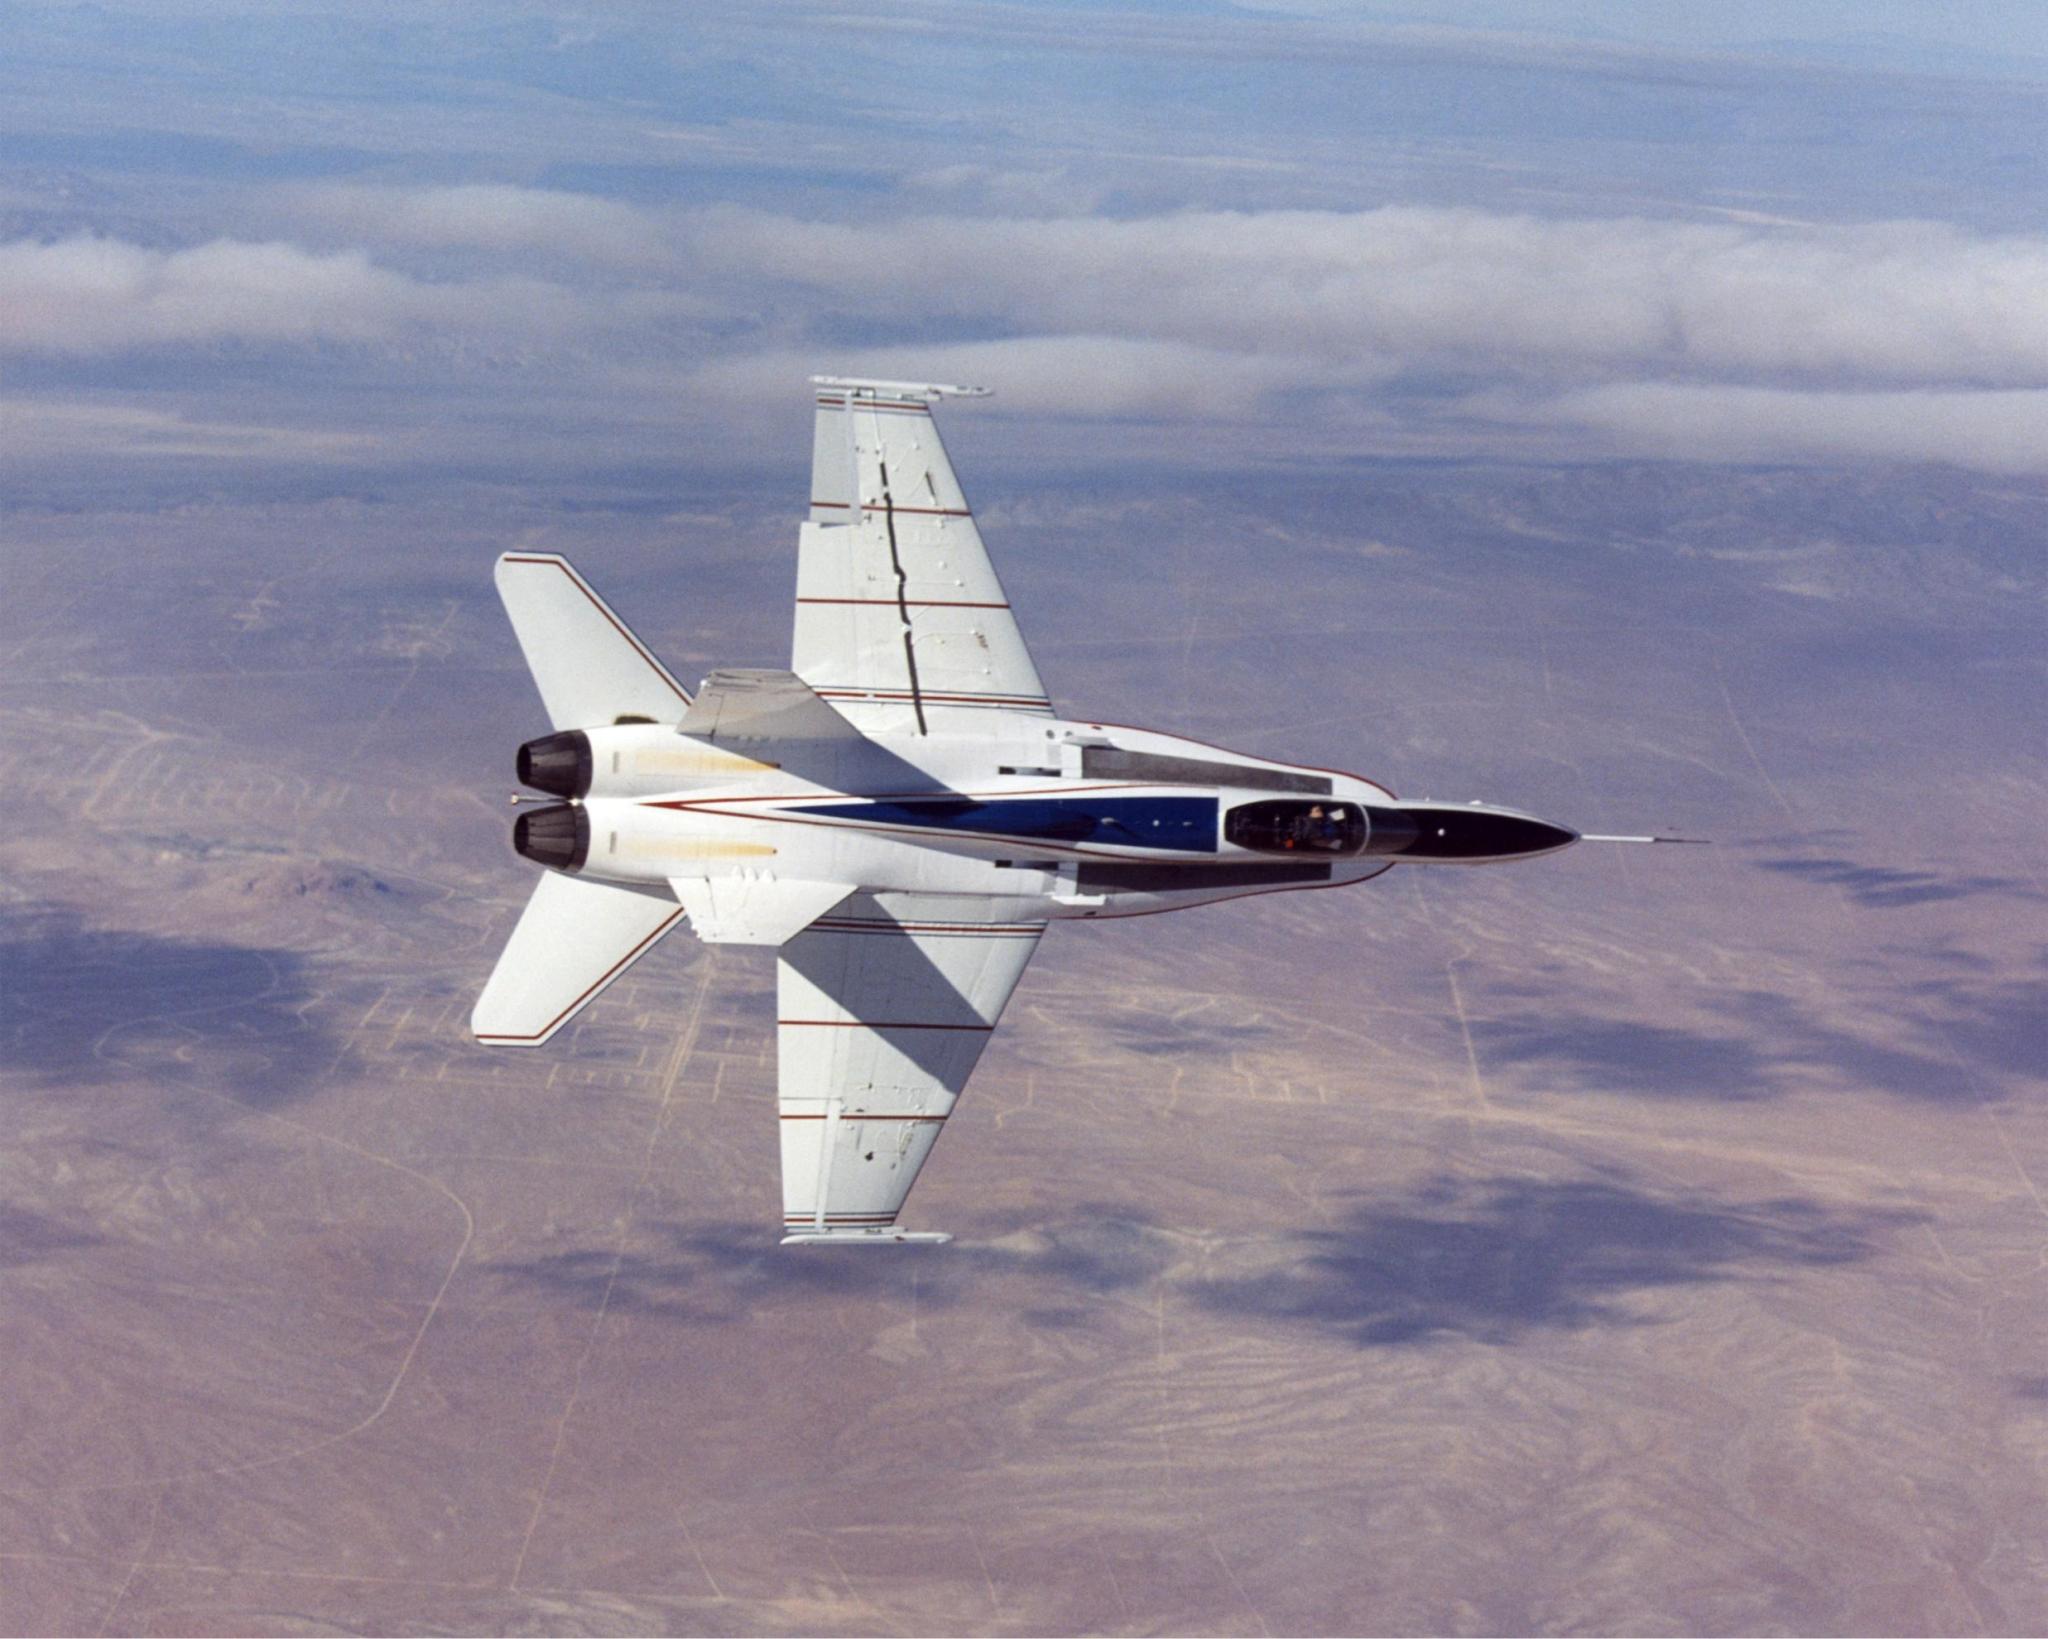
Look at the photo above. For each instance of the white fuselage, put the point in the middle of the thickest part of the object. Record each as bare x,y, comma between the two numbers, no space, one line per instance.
1069,819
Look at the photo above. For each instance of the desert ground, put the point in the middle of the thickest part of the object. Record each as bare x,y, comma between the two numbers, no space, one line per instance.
1641,1240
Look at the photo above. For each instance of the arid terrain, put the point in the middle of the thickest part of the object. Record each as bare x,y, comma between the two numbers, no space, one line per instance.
1642,1240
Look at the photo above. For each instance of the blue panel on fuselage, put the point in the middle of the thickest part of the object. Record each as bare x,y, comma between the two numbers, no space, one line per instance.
1181,824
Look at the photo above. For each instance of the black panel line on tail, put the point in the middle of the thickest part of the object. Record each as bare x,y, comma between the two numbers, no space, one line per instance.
902,591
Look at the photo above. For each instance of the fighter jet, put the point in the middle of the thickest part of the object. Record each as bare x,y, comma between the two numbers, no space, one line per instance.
901,814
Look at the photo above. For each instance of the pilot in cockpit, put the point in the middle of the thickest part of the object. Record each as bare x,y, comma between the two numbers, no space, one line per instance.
1322,830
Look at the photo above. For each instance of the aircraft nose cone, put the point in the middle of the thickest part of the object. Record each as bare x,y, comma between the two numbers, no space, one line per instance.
1541,837
1464,833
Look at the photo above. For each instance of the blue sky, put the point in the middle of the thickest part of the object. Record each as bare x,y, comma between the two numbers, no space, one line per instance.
381,242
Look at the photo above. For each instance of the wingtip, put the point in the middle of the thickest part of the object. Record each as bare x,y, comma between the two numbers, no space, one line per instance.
901,389
485,1024
866,1237
511,564
484,1038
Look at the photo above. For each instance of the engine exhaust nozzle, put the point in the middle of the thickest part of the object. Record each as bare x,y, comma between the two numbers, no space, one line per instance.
558,764
557,836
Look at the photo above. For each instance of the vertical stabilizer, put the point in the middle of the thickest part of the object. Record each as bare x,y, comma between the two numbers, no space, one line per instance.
574,938
589,668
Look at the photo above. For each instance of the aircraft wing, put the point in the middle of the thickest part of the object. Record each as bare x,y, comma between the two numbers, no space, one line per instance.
884,1005
899,615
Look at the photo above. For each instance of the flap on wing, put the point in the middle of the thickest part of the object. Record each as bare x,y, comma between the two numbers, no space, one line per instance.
762,705
739,910
574,938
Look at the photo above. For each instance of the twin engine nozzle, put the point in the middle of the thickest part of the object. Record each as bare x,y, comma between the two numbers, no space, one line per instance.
558,835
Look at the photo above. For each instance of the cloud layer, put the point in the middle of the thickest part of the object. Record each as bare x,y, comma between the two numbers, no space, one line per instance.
2001,431
491,217
96,296
1723,341
1451,289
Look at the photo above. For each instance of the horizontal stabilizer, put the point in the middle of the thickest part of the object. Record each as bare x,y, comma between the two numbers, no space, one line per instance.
574,938
742,910
590,670
749,705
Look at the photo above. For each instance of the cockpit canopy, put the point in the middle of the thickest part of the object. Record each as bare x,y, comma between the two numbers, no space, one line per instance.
1297,825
